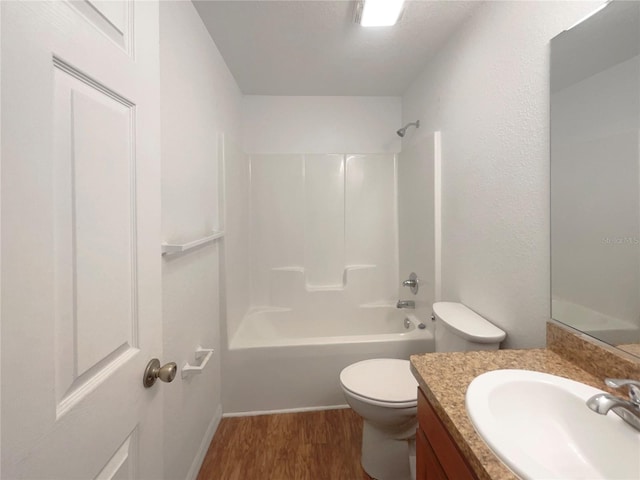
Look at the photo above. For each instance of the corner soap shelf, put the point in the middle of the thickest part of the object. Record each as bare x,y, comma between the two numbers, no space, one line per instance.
173,248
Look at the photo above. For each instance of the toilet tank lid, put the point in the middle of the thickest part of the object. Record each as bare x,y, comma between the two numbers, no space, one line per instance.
467,323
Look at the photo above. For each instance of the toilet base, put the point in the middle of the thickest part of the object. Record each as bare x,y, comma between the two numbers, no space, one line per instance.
385,457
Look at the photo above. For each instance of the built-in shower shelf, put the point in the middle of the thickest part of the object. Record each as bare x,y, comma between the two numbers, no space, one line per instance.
175,248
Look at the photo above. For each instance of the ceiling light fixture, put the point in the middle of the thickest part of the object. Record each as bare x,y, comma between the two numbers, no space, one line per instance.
378,13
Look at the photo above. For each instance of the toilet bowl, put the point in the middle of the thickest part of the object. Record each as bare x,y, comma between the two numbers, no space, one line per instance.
384,392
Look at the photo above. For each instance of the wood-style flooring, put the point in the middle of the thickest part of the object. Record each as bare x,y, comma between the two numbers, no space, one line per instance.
322,445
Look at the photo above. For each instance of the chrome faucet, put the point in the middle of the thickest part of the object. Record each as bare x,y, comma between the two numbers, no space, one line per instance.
406,304
412,282
628,410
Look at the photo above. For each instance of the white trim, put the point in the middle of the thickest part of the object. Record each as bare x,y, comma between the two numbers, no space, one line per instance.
222,183
204,446
284,410
396,222
0,251
588,16
437,214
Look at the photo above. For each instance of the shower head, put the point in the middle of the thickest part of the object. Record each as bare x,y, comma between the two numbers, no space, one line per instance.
403,130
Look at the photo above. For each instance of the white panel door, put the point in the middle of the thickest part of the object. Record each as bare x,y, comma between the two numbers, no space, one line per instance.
80,240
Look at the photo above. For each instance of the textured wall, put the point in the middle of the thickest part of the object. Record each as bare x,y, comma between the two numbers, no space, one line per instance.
487,90
199,100
273,124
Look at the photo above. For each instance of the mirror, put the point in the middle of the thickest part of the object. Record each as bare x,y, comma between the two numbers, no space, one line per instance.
595,176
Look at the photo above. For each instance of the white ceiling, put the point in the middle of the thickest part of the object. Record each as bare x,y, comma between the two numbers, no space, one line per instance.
313,47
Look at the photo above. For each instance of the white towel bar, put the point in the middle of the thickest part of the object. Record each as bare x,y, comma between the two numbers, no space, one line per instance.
173,248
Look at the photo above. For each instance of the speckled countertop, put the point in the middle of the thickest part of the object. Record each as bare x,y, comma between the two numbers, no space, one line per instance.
633,348
444,378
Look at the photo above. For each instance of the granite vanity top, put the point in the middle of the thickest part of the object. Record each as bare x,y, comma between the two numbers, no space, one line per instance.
444,378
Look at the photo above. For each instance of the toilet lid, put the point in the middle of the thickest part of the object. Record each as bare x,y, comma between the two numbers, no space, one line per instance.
382,379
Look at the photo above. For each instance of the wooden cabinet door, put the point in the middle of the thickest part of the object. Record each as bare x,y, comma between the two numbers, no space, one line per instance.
427,465
441,458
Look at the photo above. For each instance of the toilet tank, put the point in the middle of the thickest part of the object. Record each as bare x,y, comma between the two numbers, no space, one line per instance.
460,329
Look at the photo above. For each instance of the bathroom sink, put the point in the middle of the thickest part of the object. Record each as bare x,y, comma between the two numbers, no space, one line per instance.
540,427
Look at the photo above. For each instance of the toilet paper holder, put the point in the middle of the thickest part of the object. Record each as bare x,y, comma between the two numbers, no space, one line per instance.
203,355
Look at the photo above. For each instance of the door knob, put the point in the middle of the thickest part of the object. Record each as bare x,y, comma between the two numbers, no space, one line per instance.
166,373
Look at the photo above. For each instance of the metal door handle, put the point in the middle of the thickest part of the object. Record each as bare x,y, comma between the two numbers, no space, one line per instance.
166,373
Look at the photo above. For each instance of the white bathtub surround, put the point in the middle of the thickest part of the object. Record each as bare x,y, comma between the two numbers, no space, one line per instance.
323,223
324,281
322,248
324,220
359,285
277,363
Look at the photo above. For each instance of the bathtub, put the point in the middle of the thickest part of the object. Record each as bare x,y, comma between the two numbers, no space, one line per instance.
278,361
606,328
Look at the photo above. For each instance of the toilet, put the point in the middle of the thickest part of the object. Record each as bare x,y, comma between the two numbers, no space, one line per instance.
383,391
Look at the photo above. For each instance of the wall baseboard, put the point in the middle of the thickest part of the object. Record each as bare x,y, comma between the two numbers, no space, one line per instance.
285,410
204,446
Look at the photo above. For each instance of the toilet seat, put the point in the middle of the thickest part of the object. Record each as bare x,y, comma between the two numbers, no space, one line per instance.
384,382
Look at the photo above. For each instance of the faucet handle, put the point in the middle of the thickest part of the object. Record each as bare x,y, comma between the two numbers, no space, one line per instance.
634,387
412,282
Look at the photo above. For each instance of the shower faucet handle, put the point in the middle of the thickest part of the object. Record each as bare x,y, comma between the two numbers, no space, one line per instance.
412,282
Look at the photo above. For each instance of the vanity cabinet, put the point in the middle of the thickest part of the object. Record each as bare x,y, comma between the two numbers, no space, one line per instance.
437,455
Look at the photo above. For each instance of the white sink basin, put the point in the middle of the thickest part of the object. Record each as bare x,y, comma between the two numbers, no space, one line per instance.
540,427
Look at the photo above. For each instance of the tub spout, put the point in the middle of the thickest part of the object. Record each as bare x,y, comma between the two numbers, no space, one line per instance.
406,304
